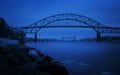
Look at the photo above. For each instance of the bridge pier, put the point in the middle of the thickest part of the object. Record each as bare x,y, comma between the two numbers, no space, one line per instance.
74,38
98,37
35,36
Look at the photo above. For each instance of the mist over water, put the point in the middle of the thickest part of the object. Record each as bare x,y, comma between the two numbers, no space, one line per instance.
84,58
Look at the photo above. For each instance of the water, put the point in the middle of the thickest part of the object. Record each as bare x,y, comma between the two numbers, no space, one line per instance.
84,58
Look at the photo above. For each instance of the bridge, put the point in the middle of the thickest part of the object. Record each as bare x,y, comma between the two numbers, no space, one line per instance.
89,22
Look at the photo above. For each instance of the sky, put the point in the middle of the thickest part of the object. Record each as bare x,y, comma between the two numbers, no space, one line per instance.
25,12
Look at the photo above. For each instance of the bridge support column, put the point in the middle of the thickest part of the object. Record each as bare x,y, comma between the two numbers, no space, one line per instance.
98,38
74,38
35,36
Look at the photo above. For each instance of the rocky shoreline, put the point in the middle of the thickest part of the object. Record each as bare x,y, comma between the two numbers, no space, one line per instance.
19,59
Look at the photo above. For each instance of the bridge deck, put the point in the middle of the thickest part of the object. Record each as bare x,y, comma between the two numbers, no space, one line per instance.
68,27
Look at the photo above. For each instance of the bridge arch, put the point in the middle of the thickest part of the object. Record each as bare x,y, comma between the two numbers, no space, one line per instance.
43,23
67,16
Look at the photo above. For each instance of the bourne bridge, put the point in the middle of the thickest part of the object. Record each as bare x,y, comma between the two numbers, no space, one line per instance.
89,22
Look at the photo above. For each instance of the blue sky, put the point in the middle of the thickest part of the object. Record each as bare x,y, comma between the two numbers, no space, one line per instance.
25,12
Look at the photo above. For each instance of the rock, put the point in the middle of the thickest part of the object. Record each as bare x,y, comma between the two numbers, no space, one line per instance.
19,59
7,32
5,42
4,28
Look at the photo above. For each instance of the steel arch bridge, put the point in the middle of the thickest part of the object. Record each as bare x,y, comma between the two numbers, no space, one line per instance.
89,22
